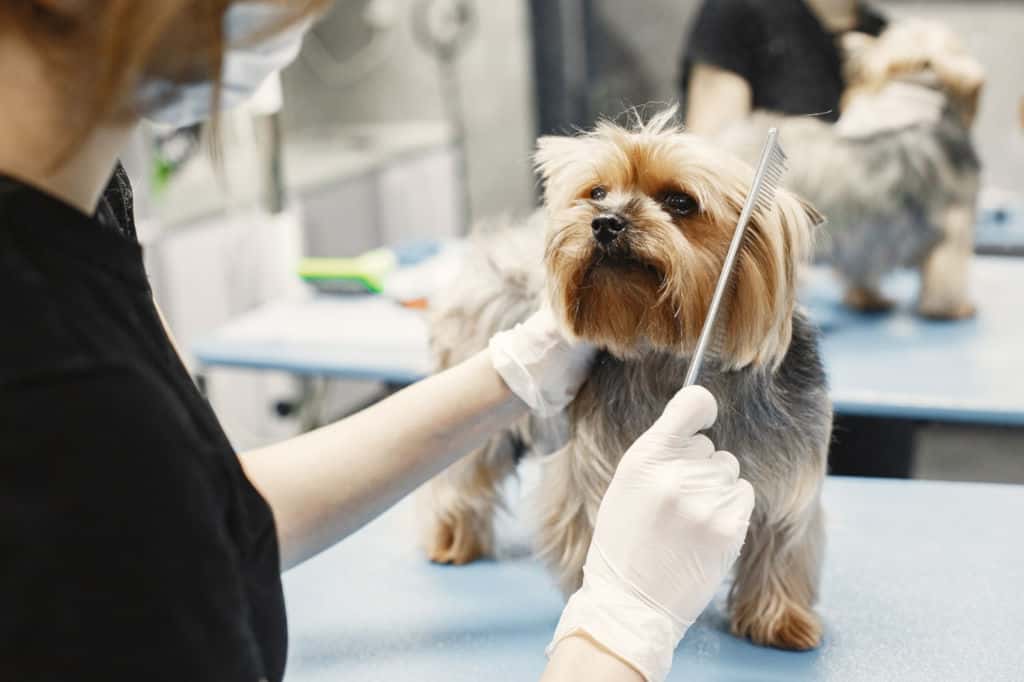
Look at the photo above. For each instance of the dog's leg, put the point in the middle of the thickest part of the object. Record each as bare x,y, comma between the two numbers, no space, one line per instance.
464,499
565,519
777,574
866,299
944,271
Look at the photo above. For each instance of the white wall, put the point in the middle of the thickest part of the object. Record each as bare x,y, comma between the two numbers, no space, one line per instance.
494,74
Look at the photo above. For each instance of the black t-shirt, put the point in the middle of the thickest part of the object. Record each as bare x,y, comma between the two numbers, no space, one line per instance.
132,546
779,47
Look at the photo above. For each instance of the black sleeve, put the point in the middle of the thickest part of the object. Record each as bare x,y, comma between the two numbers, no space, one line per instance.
116,558
724,34
872,21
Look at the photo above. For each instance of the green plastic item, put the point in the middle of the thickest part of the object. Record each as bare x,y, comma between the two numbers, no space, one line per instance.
366,272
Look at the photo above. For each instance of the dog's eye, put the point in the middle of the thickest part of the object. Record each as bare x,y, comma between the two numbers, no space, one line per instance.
678,203
598,193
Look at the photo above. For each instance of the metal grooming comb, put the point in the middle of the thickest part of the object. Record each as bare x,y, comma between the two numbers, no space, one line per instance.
770,170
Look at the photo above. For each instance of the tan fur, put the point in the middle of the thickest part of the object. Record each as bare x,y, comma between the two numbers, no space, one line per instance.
944,272
662,292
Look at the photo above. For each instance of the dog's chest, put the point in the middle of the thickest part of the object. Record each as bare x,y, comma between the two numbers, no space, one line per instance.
622,398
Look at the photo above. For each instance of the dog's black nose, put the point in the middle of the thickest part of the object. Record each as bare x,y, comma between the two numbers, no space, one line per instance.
607,227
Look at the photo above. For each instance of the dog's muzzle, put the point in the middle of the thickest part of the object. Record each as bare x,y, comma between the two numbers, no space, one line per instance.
607,227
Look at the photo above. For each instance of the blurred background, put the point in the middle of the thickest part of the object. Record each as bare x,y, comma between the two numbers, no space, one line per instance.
411,119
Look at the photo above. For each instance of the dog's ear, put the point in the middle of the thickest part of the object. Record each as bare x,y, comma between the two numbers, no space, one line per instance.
963,77
853,46
561,162
859,68
556,155
779,242
853,43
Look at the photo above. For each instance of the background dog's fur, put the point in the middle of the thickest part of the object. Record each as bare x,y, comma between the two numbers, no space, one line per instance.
898,176
774,411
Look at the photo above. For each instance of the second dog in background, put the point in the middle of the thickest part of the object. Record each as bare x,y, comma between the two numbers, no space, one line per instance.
627,253
897,177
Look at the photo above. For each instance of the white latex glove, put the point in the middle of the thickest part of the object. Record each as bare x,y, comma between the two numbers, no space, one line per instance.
668,530
541,366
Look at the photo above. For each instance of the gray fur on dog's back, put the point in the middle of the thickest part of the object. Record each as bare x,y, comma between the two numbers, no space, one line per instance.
881,194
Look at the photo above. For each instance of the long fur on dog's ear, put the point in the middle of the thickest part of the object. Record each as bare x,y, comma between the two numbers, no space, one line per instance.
760,314
560,157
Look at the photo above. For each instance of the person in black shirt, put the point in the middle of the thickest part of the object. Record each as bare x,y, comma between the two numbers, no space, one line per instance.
135,544
780,55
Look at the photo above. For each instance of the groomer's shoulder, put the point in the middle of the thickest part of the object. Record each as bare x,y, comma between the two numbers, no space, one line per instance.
120,556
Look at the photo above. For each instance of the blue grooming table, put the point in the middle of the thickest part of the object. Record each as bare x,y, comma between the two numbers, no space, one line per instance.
892,365
922,582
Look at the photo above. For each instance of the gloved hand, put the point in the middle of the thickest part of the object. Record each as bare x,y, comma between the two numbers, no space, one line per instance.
668,530
541,366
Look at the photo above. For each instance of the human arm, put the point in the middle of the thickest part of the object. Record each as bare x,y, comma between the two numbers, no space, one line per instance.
718,66
717,98
667,532
579,657
328,483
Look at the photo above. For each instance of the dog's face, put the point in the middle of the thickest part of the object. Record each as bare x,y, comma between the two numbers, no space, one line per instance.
917,51
639,224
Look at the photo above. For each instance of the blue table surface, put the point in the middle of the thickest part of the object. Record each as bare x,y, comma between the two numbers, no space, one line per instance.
895,364
922,581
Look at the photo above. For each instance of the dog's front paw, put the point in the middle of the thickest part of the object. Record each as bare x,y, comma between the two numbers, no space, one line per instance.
867,300
796,628
960,311
456,539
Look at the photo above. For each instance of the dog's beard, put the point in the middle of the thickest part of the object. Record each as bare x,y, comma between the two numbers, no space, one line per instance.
625,298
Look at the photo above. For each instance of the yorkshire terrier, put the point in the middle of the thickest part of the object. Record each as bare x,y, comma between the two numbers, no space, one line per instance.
897,176
627,251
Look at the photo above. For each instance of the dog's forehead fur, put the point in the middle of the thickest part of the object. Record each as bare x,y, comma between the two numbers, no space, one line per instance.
650,158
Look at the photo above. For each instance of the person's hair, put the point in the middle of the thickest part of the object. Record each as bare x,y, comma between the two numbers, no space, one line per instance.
101,50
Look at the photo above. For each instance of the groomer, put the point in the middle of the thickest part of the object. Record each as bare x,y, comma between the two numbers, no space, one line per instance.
135,544
786,56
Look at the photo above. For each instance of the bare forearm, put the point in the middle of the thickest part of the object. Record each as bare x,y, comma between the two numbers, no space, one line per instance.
328,483
580,658
716,99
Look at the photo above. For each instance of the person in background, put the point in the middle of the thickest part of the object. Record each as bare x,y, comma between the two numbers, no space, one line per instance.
779,55
136,543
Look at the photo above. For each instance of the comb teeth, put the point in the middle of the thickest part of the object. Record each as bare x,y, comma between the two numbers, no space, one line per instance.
762,193
774,169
